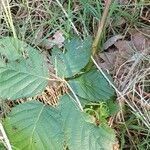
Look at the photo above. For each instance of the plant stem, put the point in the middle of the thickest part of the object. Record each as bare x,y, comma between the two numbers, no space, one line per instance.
101,26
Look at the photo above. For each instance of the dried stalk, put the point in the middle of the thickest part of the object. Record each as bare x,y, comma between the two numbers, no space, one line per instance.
101,26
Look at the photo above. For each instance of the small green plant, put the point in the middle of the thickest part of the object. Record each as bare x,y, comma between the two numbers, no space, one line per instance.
36,126
2,147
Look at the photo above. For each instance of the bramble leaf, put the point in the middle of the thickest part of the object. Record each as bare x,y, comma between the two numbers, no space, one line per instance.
92,86
11,48
23,72
34,126
75,57
80,133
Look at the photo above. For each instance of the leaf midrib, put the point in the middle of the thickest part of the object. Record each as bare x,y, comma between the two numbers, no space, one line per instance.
35,124
21,72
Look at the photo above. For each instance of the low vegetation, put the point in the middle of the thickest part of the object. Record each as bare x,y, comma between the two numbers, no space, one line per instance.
74,75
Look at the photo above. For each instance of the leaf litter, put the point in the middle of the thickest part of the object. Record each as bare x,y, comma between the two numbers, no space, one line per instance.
118,50
129,62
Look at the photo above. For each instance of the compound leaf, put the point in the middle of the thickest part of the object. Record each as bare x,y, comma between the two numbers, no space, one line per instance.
92,86
34,126
75,57
23,75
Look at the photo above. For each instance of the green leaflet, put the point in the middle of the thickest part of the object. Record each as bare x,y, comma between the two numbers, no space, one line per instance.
75,57
92,86
79,132
11,48
33,126
23,72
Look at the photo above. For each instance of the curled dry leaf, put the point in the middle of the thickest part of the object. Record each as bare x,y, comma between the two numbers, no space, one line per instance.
111,41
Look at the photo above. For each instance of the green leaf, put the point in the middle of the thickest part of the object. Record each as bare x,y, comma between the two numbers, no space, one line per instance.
23,72
33,126
11,48
113,107
75,57
2,147
80,133
92,86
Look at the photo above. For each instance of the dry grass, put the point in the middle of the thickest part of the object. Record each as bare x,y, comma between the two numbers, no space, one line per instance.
134,84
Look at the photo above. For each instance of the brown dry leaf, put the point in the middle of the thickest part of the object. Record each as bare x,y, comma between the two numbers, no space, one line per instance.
57,39
144,31
140,42
107,60
111,41
115,57
124,51
124,48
